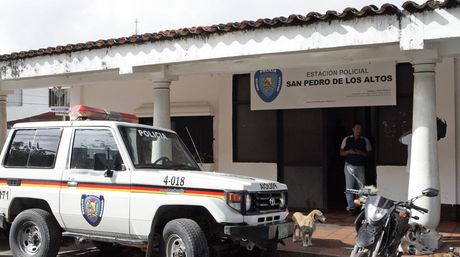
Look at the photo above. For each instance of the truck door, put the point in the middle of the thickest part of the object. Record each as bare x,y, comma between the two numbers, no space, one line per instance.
96,186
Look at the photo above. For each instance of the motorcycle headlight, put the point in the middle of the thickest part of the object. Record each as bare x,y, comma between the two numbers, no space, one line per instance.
375,213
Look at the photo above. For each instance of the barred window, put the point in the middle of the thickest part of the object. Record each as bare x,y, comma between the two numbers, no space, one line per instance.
59,96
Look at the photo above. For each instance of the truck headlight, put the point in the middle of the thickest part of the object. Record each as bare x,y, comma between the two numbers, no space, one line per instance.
248,201
283,200
234,200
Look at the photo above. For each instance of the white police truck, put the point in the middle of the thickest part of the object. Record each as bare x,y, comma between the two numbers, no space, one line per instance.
119,183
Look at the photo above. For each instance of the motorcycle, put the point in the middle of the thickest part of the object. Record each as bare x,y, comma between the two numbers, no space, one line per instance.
383,223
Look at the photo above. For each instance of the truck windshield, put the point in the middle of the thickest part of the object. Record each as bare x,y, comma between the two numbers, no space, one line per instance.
156,149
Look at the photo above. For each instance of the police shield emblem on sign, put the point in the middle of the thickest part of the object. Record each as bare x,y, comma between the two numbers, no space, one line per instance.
92,208
268,84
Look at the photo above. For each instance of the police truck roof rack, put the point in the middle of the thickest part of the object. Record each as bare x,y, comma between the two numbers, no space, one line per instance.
82,112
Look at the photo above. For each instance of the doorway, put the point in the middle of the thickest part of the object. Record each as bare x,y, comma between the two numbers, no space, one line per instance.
339,124
308,154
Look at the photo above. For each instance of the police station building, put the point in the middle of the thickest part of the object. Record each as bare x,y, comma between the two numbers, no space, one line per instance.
274,98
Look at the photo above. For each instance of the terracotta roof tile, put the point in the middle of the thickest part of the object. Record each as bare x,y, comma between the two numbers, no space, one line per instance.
292,20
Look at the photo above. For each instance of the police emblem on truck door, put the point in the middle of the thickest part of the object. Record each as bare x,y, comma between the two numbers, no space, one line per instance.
92,208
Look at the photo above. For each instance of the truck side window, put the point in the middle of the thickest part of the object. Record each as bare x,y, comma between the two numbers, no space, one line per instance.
95,149
33,148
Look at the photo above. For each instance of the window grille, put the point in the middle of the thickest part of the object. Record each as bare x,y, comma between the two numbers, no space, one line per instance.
59,96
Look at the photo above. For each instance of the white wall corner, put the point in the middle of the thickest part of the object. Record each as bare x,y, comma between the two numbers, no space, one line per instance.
445,108
75,95
411,33
456,111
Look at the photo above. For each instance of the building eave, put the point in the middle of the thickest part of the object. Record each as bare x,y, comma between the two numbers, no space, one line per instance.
409,30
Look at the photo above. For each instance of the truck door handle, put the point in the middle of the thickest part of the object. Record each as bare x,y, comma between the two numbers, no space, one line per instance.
72,184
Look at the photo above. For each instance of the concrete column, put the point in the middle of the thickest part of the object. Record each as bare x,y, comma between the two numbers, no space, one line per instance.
3,119
424,171
161,104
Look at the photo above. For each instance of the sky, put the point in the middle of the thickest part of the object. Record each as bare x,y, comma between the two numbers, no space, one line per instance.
33,24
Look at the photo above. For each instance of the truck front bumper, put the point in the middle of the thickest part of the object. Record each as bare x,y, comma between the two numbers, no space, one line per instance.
261,233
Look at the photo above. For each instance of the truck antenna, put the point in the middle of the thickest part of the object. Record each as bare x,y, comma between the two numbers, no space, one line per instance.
194,146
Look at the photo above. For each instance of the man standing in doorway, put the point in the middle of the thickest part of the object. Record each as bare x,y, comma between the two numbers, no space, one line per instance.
355,148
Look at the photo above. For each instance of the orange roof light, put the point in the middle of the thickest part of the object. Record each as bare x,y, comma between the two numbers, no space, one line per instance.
82,112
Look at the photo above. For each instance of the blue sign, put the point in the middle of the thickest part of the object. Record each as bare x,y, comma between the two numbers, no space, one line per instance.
92,208
268,84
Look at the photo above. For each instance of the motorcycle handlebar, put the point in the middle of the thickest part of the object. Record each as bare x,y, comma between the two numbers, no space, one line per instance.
353,191
408,204
418,208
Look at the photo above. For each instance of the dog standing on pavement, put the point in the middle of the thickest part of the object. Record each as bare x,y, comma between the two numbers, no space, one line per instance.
305,226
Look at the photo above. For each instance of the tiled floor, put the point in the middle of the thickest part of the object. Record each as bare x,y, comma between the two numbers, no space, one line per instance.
336,238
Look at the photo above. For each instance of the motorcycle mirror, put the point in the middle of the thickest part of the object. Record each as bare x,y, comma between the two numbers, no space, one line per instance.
430,192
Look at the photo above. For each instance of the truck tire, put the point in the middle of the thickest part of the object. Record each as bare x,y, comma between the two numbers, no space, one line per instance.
35,233
183,237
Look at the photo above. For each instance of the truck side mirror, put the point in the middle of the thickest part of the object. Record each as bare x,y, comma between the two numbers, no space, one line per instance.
108,173
430,192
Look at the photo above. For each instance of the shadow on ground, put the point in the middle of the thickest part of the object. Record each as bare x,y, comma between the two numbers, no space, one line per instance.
85,250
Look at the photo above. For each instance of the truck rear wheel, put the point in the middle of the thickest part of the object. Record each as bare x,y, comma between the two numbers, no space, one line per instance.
183,238
36,233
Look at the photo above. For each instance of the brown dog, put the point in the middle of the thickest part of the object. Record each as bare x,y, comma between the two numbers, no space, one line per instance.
305,226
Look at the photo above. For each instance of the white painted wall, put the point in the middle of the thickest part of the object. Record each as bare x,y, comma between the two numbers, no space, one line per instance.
445,103
456,111
35,101
215,89
393,180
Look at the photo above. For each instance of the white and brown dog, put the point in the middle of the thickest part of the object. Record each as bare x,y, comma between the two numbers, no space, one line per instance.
305,226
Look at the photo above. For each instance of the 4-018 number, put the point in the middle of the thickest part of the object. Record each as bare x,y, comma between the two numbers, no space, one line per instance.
174,181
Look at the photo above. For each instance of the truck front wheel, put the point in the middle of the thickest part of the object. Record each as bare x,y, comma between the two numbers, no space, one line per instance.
36,233
183,238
